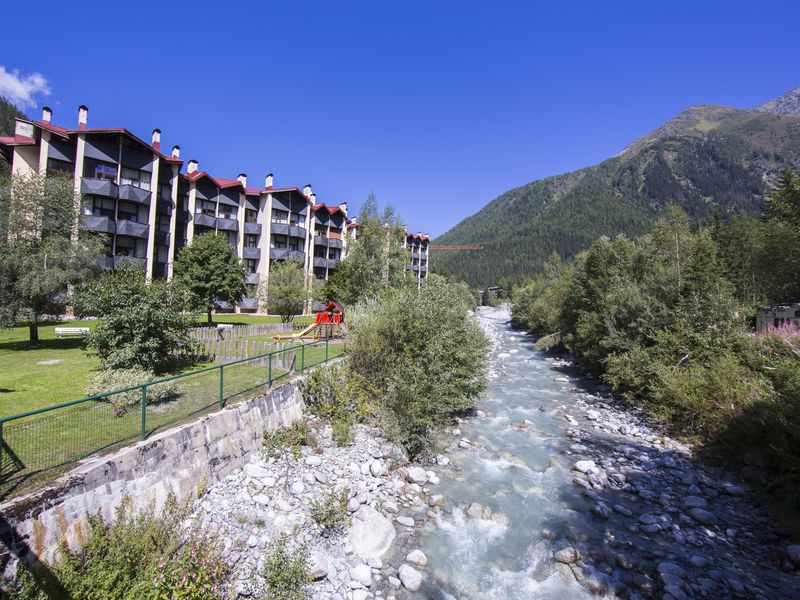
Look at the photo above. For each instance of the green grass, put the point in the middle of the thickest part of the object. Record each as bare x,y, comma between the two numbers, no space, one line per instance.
27,385
46,444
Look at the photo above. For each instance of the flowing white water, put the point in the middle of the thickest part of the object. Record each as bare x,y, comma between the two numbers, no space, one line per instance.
511,473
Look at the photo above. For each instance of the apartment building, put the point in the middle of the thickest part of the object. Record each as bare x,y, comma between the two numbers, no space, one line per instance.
418,246
138,197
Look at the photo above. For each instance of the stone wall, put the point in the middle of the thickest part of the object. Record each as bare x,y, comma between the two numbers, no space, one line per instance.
177,460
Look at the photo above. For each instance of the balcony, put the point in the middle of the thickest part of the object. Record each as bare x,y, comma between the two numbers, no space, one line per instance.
204,220
133,229
227,224
249,303
412,267
286,253
133,193
98,224
334,243
252,278
162,238
121,262
320,262
251,252
99,187
286,229
415,255
252,228
321,240
107,262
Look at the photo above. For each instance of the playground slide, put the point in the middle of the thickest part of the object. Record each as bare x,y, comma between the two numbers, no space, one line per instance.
294,336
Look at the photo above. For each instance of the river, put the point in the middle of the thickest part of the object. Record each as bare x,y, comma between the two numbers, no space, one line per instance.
627,517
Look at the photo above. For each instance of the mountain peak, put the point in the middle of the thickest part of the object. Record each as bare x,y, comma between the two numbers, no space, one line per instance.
788,104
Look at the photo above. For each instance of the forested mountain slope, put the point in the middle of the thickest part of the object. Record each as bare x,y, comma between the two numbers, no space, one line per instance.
705,159
8,112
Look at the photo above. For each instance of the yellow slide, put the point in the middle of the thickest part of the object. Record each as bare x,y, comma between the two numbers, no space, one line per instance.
294,336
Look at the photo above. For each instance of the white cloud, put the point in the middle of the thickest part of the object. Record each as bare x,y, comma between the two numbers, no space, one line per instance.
20,89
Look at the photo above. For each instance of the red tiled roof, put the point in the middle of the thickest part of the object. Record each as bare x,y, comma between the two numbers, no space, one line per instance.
252,191
332,210
17,140
226,183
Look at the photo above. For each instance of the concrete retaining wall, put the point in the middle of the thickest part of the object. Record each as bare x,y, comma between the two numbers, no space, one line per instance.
176,460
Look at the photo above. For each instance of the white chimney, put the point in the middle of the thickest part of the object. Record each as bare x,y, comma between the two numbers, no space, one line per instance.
157,140
192,166
268,181
47,114
343,207
313,197
242,177
176,152
307,189
83,116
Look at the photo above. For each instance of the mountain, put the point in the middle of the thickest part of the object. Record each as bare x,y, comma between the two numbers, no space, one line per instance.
708,158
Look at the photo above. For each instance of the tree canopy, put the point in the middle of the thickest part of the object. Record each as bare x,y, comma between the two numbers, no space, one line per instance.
285,291
44,253
208,271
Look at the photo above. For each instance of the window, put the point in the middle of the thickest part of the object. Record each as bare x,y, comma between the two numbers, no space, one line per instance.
250,264
293,245
250,216
100,170
280,216
163,225
278,242
319,252
100,207
128,211
206,207
140,179
250,241
226,212
165,191
333,255
294,219
55,166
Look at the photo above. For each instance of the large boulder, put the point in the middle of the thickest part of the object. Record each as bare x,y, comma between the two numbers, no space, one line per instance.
416,475
371,534
410,577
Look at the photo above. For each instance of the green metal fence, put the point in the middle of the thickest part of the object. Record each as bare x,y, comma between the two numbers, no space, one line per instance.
39,444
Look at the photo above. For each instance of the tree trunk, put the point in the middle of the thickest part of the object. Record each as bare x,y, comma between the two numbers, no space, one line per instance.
33,335
210,322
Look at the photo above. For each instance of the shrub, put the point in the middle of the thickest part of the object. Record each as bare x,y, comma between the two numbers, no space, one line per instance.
331,514
108,380
419,357
329,393
288,439
143,555
140,325
286,573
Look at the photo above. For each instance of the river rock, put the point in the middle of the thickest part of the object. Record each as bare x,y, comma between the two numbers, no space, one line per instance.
793,552
436,500
376,468
362,574
417,557
567,555
695,502
703,516
584,466
474,510
319,568
416,475
313,461
405,521
410,578
256,471
600,510
371,534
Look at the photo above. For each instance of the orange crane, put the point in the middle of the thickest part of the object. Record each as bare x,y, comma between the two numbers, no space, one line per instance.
456,247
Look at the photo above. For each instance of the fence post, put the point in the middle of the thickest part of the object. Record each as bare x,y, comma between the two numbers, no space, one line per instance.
302,357
270,369
326,349
144,410
221,386
2,442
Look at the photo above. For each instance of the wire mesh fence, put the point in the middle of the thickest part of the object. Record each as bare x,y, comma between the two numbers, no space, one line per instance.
38,445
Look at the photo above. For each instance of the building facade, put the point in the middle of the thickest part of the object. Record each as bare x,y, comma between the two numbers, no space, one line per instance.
138,197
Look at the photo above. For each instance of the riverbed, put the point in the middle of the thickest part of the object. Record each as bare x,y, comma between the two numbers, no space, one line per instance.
555,490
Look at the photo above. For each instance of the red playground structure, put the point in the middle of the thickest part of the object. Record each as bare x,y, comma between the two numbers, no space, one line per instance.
329,323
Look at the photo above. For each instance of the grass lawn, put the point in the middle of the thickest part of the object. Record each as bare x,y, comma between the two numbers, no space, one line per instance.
26,384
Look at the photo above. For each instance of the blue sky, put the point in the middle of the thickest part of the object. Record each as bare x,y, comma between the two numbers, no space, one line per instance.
436,106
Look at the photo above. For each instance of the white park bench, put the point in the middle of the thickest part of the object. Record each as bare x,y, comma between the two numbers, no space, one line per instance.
70,331
224,326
